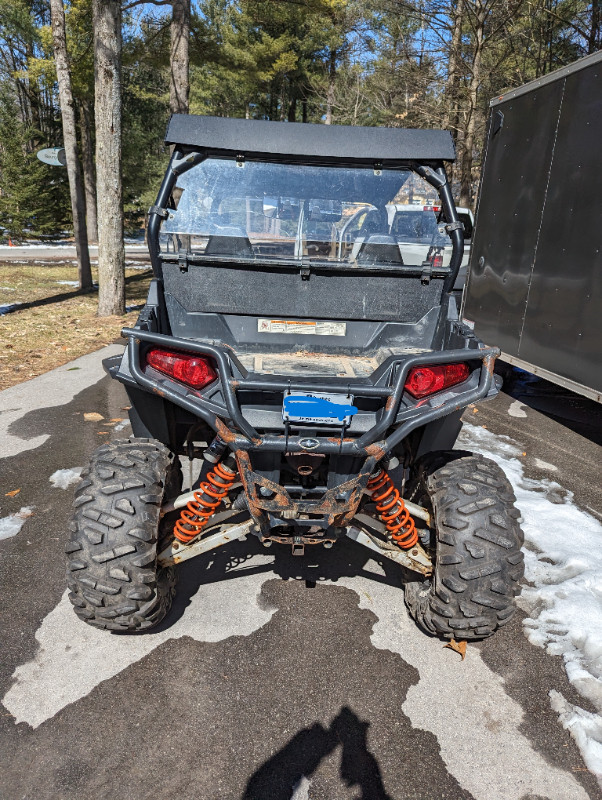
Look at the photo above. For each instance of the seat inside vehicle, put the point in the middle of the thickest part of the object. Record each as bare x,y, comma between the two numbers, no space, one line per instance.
379,248
230,241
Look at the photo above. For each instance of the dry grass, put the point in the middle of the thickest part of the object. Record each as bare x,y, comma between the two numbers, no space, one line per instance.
61,325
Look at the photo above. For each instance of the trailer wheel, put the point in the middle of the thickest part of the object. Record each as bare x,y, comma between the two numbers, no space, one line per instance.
112,570
477,541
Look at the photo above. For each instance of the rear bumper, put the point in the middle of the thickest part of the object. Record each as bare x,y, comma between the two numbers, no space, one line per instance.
220,408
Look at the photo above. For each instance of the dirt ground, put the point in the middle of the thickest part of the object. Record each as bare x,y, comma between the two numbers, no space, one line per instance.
54,322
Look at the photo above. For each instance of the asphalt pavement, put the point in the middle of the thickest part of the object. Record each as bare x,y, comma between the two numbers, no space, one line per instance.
274,678
58,253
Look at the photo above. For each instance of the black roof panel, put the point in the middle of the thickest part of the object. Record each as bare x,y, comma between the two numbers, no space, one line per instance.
298,141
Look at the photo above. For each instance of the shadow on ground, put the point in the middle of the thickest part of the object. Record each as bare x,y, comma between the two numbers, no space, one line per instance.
301,757
306,696
345,559
578,413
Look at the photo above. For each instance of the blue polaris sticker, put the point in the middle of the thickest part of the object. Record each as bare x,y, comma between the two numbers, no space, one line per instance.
318,409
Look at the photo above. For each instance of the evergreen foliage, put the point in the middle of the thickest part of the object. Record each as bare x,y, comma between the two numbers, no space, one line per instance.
34,197
358,62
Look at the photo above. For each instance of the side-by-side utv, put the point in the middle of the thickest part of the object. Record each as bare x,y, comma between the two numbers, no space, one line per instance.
306,357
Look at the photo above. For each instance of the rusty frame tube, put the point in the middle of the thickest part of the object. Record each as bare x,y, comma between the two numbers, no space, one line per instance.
338,513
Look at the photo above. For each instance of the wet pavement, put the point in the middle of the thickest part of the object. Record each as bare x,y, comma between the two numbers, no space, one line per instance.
274,677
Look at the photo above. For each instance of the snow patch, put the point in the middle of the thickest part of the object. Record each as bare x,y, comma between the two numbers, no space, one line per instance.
563,562
37,246
121,425
63,478
11,525
68,283
516,409
301,789
585,727
537,462
9,308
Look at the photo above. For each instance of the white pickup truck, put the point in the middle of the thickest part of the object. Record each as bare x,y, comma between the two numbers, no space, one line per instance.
416,230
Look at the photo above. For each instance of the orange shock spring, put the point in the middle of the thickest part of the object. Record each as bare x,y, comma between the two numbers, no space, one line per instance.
392,510
207,499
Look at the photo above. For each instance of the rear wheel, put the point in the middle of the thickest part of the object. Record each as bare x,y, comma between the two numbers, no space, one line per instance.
477,541
112,567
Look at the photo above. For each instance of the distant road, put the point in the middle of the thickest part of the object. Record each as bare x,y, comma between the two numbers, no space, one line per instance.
58,253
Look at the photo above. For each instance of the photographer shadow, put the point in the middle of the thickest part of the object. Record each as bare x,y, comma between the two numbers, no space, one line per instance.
278,777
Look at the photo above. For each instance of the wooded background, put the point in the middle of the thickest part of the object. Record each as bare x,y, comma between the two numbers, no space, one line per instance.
362,62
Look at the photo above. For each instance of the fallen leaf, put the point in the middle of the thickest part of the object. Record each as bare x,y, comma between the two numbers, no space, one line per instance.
126,408
457,647
524,454
475,410
13,493
93,416
103,433
117,419
72,368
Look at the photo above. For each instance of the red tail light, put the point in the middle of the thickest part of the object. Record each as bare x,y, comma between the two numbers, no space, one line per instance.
423,381
437,261
195,371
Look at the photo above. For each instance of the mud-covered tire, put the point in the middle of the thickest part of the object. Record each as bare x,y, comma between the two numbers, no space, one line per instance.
112,572
477,543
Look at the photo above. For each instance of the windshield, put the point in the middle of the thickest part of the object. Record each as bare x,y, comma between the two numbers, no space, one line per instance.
246,210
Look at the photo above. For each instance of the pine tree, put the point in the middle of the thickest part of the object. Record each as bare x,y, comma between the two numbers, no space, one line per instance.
33,196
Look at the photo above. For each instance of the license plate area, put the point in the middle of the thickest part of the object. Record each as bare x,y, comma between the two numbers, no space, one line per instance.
318,408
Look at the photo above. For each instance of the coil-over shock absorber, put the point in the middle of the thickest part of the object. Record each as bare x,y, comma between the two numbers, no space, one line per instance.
208,497
391,509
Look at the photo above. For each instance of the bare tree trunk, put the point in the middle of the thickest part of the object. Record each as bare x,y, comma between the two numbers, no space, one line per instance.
593,40
33,93
282,103
332,72
107,88
76,189
451,85
451,119
89,176
473,90
292,110
179,82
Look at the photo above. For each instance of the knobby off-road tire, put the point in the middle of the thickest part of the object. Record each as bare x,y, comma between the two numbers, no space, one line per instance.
478,560
112,567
